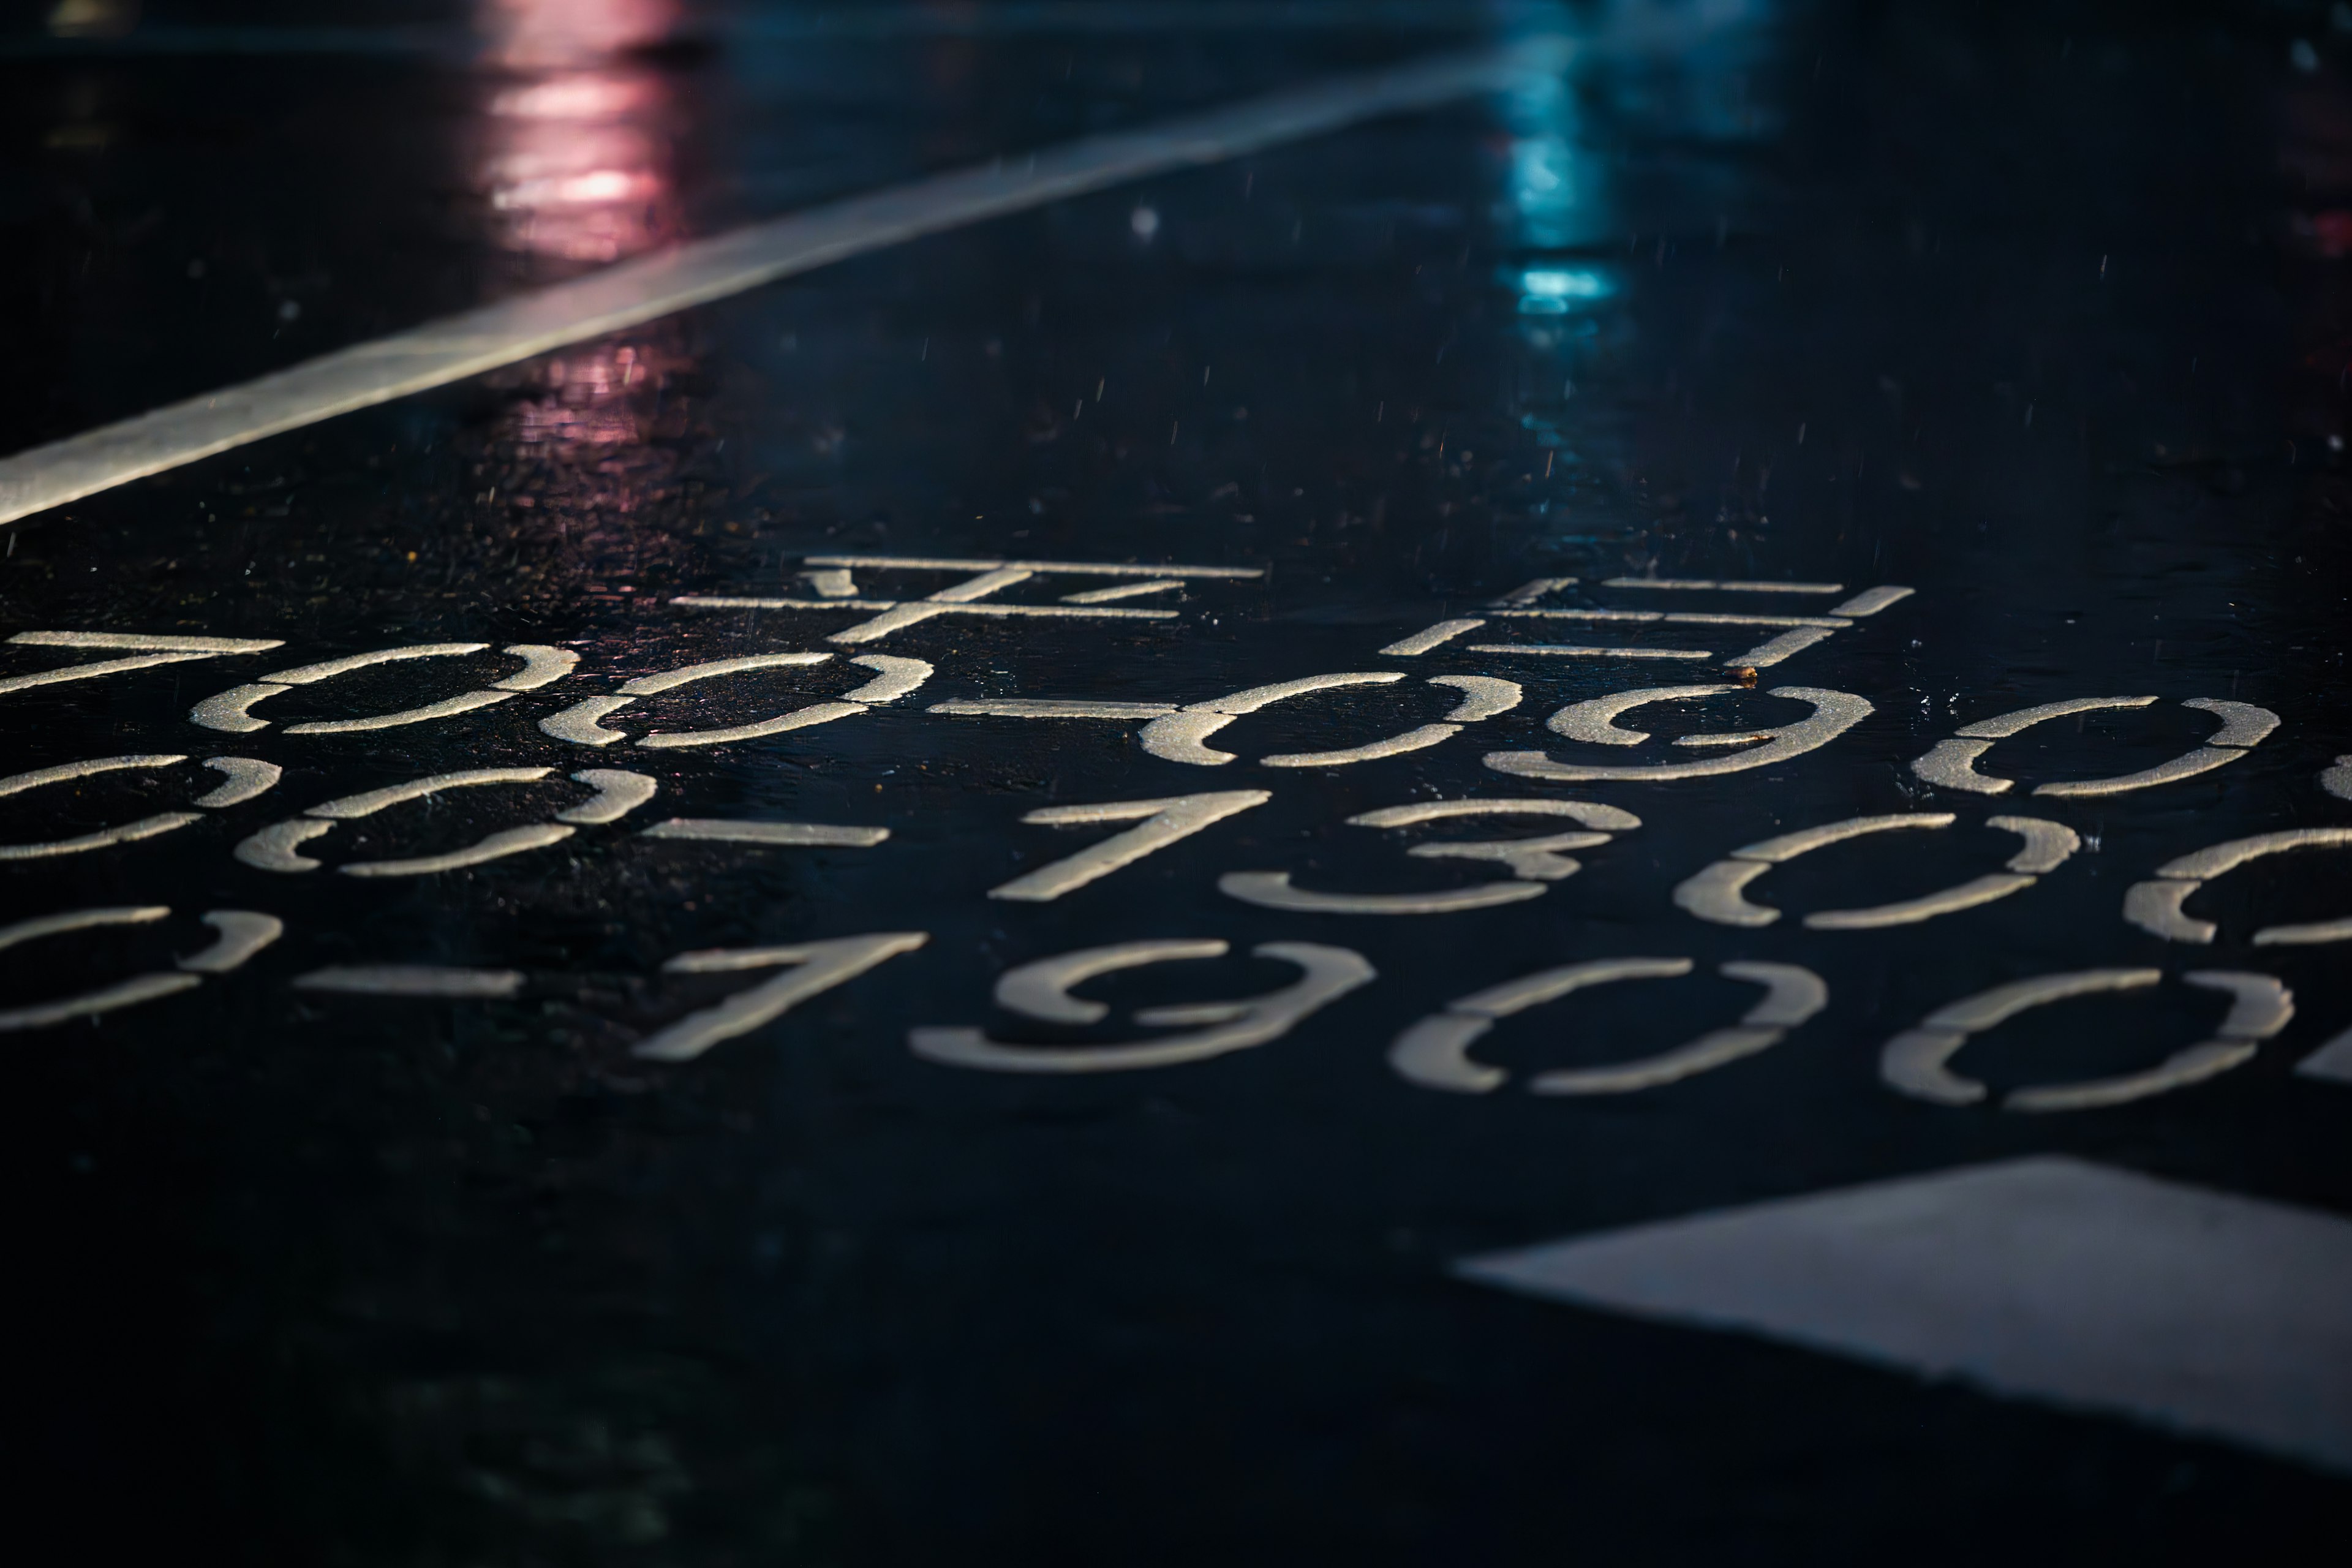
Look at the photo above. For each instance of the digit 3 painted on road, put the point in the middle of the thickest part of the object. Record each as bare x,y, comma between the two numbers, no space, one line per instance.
2156,906
1718,893
1435,1052
1918,1061
618,793
1535,863
243,778
1952,764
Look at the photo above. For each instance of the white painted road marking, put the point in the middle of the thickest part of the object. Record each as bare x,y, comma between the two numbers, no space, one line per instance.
2044,1278
2332,1060
703,270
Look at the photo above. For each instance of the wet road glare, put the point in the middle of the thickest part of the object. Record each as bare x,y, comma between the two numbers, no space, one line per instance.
1159,782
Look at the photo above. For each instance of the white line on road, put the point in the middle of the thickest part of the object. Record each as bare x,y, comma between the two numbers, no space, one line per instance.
707,270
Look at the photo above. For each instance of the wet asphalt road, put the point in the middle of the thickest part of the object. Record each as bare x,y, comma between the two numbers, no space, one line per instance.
2037,313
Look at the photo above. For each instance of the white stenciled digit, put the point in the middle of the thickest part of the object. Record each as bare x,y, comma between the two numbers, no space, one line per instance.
1534,863
1483,697
805,969
1042,991
1918,1061
581,722
1435,1052
1436,636
1179,737
1952,764
1179,733
1162,823
238,935
275,847
140,651
1834,713
231,710
2156,906
1718,893
809,969
243,777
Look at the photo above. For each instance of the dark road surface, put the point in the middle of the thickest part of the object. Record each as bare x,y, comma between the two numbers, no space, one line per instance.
1136,881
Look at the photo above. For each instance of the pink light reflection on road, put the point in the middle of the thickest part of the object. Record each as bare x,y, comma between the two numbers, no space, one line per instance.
584,401
576,162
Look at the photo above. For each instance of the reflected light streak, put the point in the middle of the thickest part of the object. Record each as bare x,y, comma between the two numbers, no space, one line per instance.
1552,207
599,186
1555,291
92,19
1555,201
577,168
582,403
575,157
549,35
572,98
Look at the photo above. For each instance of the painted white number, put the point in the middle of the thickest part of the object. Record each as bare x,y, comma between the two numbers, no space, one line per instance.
1534,863
1834,713
815,968
1042,991
275,847
810,969
1179,733
1164,822
2156,906
231,710
239,935
1918,1061
1435,1052
141,651
1179,737
1718,893
1952,764
893,679
242,779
